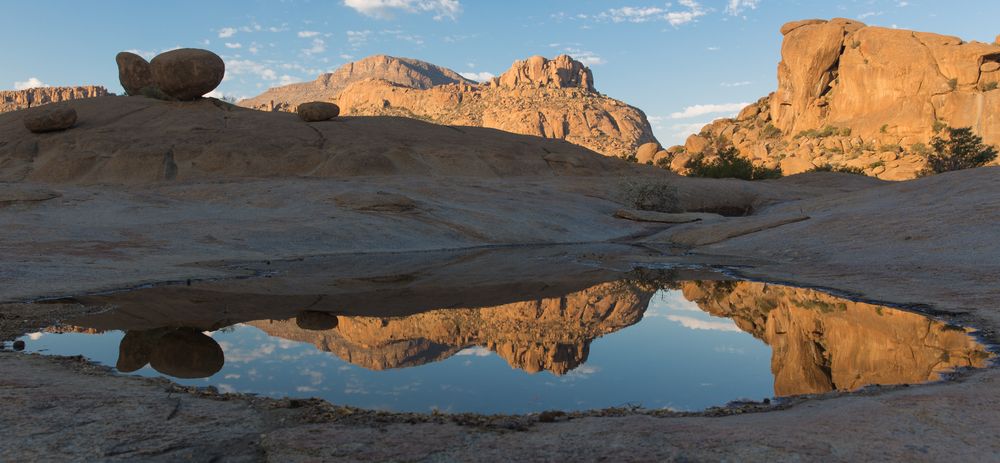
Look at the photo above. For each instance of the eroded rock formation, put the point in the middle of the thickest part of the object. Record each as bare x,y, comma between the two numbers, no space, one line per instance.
862,96
12,100
822,343
551,334
547,98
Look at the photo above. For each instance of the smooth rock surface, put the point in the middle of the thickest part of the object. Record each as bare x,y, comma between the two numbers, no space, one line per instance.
134,72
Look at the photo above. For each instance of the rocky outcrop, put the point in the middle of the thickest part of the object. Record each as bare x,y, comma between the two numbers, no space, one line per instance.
551,334
405,72
12,100
50,120
864,97
823,343
546,98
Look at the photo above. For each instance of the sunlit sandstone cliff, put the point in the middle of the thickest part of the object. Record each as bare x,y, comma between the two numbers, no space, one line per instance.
549,334
861,96
547,98
12,100
822,343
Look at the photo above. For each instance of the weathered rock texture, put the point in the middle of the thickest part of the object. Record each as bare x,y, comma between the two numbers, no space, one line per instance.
862,96
187,73
12,100
50,119
552,334
822,343
546,98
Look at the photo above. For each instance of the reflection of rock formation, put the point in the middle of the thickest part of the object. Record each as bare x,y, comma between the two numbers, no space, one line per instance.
551,334
822,343
178,352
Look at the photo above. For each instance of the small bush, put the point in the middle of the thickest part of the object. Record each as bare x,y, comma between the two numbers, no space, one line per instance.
770,131
989,86
729,164
876,164
840,169
855,44
939,126
953,83
884,128
845,132
962,149
650,195
920,149
889,148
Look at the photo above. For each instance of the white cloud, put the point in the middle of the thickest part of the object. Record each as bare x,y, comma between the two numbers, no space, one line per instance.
227,32
478,76
286,79
318,46
742,83
703,109
737,7
32,82
234,45
588,58
476,351
384,9
242,67
869,14
307,34
652,13
696,324
358,39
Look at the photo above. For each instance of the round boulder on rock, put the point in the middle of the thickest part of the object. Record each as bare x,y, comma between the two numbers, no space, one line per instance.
134,72
50,119
187,73
317,111
646,151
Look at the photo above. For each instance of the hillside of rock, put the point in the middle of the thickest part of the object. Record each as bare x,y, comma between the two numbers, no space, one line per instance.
12,100
545,98
861,96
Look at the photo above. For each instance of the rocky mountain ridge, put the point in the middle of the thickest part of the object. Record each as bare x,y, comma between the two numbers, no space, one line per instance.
13,100
541,97
860,96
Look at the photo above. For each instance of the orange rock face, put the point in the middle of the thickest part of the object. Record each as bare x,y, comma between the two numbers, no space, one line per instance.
822,343
866,97
546,98
12,100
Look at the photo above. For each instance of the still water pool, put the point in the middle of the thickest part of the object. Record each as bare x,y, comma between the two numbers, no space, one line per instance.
684,345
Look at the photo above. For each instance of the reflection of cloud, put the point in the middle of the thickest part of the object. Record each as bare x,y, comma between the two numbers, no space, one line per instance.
231,376
581,372
305,389
696,324
730,350
226,388
235,354
478,351
35,336
316,377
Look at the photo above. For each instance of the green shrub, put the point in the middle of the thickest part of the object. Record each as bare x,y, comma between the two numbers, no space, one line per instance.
889,147
855,44
729,164
884,128
840,169
939,126
876,164
962,149
920,149
770,131
650,195
953,83
845,132
989,86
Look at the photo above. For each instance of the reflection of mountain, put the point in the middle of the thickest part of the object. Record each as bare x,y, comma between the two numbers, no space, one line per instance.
822,343
551,334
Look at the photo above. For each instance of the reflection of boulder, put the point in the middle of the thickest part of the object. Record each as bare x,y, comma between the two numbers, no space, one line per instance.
178,352
316,321
552,334
822,343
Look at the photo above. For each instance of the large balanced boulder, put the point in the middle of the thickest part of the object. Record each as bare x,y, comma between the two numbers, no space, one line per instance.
134,73
187,73
317,111
50,119
646,152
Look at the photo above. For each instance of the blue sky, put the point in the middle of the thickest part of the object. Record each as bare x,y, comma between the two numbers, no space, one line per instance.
683,62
